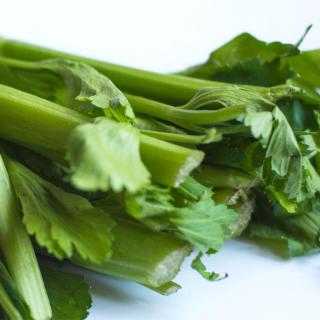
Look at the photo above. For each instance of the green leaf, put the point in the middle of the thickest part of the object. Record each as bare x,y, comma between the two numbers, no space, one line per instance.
246,60
302,181
294,245
279,161
307,67
283,146
198,265
204,224
311,143
88,89
62,222
105,155
187,210
71,84
17,249
299,232
68,293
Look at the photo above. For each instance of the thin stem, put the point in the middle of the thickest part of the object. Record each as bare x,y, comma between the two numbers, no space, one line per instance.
183,138
195,117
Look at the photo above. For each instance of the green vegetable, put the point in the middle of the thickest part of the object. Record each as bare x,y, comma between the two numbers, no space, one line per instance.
245,60
189,211
112,190
68,294
299,233
46,127
119,143
18,251
198,265
223,177
60,220
242,202
204,224
169,88
72,84
167,289
11,301
148,257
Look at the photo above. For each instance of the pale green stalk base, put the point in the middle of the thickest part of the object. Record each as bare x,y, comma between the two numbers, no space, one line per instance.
139,254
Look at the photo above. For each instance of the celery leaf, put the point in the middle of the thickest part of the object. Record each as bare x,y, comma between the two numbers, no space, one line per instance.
61,222
105,155
203,223
68,293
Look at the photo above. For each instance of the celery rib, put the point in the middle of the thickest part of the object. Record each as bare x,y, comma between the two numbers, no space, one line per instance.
18,251
45,127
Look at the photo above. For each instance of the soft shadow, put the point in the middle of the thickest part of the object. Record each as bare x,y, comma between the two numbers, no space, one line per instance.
107,289
102,286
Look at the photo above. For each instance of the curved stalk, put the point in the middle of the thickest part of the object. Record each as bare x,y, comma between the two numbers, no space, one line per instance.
194,117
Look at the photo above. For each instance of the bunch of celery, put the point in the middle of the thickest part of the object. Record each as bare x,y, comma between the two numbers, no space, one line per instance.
128,182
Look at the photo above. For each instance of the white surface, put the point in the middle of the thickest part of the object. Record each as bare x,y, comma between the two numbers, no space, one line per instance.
165,36
260,286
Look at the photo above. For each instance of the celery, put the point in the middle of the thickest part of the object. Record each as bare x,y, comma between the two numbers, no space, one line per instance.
45,127
18,251
141,255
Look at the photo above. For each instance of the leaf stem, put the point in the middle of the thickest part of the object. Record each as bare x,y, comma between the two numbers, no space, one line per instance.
178,116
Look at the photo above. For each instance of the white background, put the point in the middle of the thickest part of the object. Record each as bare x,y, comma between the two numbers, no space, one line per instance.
167,36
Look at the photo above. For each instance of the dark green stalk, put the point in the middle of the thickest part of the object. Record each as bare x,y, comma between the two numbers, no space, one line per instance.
222,177
45,127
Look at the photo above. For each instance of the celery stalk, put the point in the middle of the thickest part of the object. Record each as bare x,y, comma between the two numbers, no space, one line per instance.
44,127
139,254
176,115
168,88
18,251
222,177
